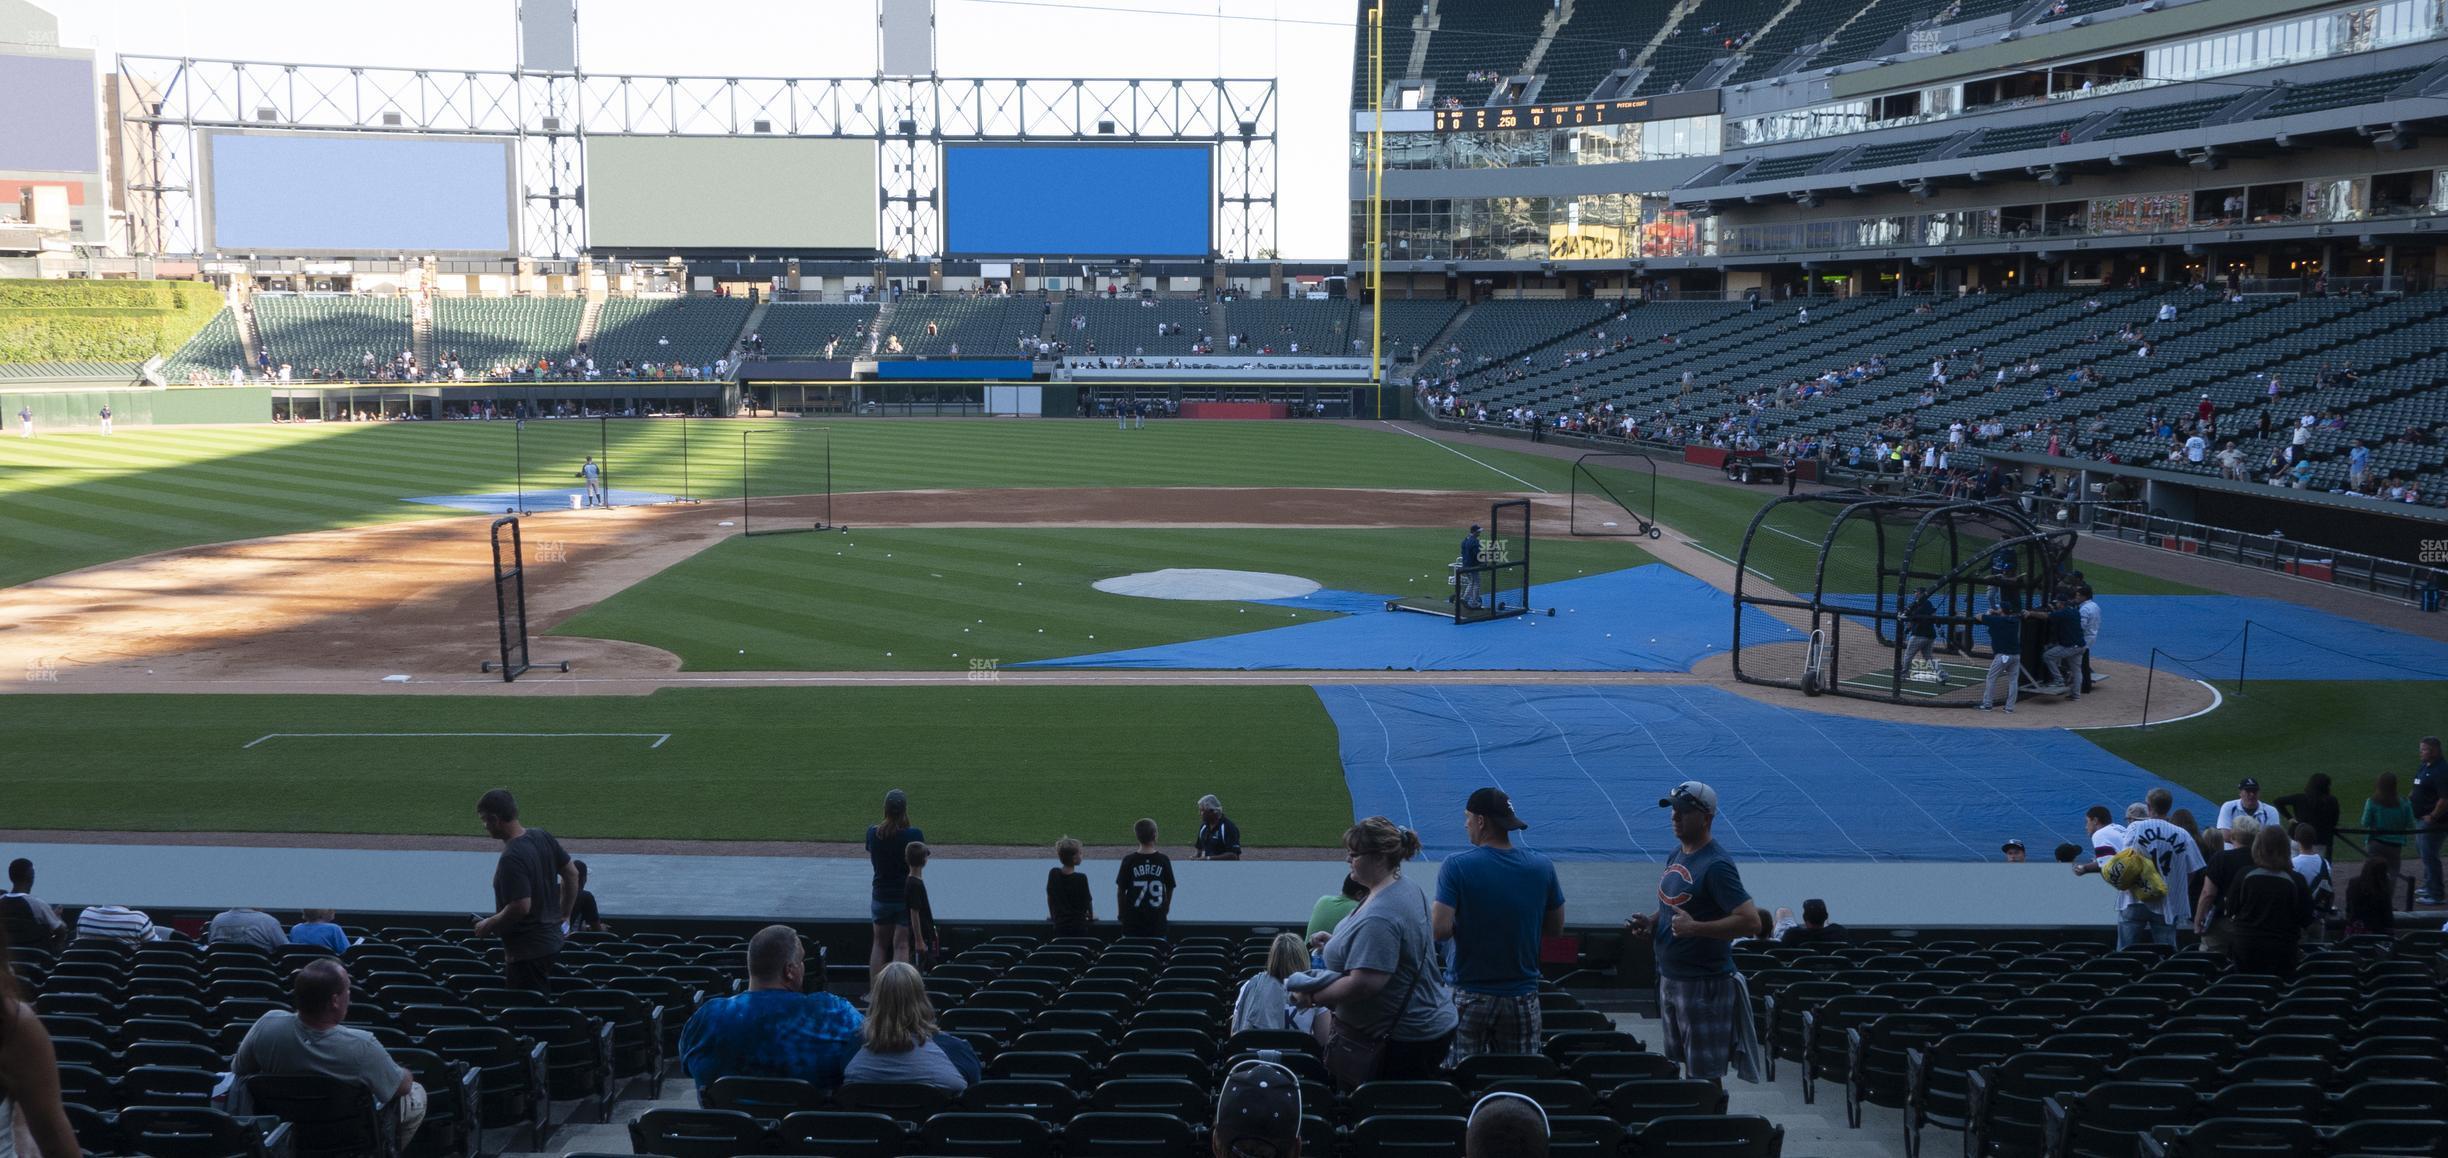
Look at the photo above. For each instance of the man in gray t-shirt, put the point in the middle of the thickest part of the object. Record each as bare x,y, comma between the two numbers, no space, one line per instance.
312,1041
247,927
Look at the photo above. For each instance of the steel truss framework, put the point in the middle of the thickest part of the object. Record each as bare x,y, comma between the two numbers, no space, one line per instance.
549,116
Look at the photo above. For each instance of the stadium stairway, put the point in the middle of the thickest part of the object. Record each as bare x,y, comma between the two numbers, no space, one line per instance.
589,321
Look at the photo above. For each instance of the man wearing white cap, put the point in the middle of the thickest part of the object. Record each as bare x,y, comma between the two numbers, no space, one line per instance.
1702,909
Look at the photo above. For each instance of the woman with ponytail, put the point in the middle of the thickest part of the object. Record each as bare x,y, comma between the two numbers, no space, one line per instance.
1392,1016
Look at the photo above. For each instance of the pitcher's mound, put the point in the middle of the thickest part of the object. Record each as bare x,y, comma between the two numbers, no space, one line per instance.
1207,583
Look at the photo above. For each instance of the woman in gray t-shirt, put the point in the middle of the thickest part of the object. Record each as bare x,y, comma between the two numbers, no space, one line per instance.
1386,951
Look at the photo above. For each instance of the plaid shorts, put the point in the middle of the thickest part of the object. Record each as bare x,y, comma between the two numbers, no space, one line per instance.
1699,1018
1491,1024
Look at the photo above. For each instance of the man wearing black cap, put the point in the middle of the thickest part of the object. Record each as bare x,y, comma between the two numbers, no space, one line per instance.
1495,902
2247,803
1702,909
2014,851
1258,1112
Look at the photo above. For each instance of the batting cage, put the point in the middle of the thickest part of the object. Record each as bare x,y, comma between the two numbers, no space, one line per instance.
1615,493
601,461
510,604
1852,568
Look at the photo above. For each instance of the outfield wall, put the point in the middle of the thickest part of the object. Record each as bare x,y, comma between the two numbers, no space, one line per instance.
57,409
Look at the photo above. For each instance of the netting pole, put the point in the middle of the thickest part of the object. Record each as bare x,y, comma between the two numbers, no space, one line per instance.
2244,654
603,454
2147,680
684,463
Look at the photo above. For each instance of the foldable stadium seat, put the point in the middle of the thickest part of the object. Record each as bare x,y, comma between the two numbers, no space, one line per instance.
1555,1095
2403,1067
1477,1070
151,1085
1052,1102
1564,1045
1308,1067
1181,1097
87,1085
1159,1064
452,1102
1284,1040
1706,1136
637,1028
86,1052
1642,1100
1937,1081
96,1132
1825,1029
2233,1138
327,1117
1606,1069
698,1134
69,1003
2101,1122
959,1134
2390,1099
1072,1041
1001,1023
1584,1136
1100,1134
1094,1021
907,1101
156,1005
1406,1136
509,1070
1415,1099
766,1099
1875,1057
187,1132
1108,1001
2392,1136
1070,1069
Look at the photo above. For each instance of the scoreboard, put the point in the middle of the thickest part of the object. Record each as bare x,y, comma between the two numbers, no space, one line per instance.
1577,114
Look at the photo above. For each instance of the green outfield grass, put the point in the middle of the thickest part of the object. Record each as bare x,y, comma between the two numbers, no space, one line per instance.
983,765
920,598
75,500
2282,731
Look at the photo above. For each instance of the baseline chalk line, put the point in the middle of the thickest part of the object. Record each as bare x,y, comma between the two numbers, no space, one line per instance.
657,737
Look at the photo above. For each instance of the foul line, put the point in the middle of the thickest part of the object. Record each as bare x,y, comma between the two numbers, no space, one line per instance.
1728,562
658,737
1445,446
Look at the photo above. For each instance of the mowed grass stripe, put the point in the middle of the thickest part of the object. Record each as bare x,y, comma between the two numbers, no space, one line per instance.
983,764
904,599
146,490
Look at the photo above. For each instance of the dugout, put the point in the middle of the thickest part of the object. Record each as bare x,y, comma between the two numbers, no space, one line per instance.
1843,566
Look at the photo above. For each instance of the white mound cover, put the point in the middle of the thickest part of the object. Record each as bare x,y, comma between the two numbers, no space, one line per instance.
1207,583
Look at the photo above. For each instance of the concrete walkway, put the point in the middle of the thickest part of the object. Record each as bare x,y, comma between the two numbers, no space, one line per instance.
365,883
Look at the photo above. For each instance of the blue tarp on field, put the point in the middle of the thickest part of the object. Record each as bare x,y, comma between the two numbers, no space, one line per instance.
1586,765
540,500
1647,618
2206,634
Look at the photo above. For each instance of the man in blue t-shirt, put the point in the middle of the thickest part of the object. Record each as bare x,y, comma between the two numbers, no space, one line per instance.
1494,903
2005,627
1702,909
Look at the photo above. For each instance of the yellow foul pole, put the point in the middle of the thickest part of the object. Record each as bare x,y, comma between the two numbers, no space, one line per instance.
1376,200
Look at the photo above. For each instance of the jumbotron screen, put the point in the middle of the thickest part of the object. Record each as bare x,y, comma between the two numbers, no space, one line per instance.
1056,201
357,193
776,194
61,136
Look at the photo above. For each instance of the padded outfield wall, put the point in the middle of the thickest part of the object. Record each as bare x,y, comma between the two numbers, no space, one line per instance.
61,409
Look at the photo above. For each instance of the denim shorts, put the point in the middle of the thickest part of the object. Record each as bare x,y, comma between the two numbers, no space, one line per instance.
888,912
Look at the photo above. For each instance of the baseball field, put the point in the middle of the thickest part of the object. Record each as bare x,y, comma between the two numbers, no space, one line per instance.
276,629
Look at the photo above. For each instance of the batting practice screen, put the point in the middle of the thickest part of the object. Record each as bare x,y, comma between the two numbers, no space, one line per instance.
1084,201
353,193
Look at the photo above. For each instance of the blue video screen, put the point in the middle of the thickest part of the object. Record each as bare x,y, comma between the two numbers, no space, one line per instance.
1056,201
321,193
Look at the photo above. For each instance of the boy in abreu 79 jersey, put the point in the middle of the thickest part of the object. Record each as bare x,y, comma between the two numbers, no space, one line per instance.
1144,886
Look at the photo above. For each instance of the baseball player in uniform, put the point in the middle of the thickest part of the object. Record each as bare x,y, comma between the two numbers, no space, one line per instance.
594,482
25,421
1921,635
106,419
1466,577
